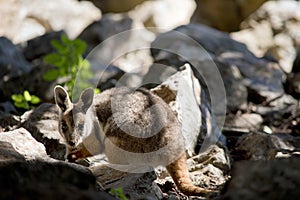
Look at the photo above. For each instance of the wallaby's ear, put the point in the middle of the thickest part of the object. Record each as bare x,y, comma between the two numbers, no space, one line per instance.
61,98
86,99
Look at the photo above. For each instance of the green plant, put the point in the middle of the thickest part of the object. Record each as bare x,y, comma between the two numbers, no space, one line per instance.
118,193
68,60
25,100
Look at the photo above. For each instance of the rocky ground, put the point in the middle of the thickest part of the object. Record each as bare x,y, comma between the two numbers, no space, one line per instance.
236,95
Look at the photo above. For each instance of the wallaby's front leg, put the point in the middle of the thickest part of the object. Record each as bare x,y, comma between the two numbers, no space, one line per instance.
79,152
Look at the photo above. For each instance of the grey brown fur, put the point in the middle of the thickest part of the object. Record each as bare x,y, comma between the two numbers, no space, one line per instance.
131,127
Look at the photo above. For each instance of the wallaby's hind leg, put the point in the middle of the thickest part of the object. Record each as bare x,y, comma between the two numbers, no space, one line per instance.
180,174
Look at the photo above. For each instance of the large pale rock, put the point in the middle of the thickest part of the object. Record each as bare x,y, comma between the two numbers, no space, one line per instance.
182,92
26,19
42,123
273,30
20,145
153,14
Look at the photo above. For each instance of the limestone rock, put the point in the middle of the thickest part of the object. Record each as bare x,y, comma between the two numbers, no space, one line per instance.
182,92
42,123
24,20
19,145
153,14
273,30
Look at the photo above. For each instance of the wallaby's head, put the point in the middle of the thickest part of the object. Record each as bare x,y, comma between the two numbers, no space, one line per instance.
72,117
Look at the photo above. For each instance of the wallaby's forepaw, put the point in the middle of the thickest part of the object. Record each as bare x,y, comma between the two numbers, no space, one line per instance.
78,153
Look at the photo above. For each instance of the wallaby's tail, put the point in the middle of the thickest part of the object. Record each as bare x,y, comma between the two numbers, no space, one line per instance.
180,175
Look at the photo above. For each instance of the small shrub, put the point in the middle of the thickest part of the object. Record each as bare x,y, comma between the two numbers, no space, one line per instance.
68,60
118,193
25,100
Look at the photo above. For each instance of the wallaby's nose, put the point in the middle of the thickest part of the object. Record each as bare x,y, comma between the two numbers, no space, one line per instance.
71,143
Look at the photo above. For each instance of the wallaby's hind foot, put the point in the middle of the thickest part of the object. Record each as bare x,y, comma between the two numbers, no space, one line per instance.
180,174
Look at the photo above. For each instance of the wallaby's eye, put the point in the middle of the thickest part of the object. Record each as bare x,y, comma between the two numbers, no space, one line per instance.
64,127
80,127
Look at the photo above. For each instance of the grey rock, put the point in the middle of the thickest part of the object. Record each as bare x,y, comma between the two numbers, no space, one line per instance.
7,107
18,75
211,167
234,61
118,50
19,144
8,152
116,40
134,185
273,179
107,26
8,121
43,180
40,46
12,66
261,146
249,121
42,123
274,111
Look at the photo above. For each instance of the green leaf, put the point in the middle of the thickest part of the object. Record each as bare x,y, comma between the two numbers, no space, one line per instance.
35,99
118,192
17,98
80,46
51,75
61,48
64,38
97,91
53,59
24,105
27,95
